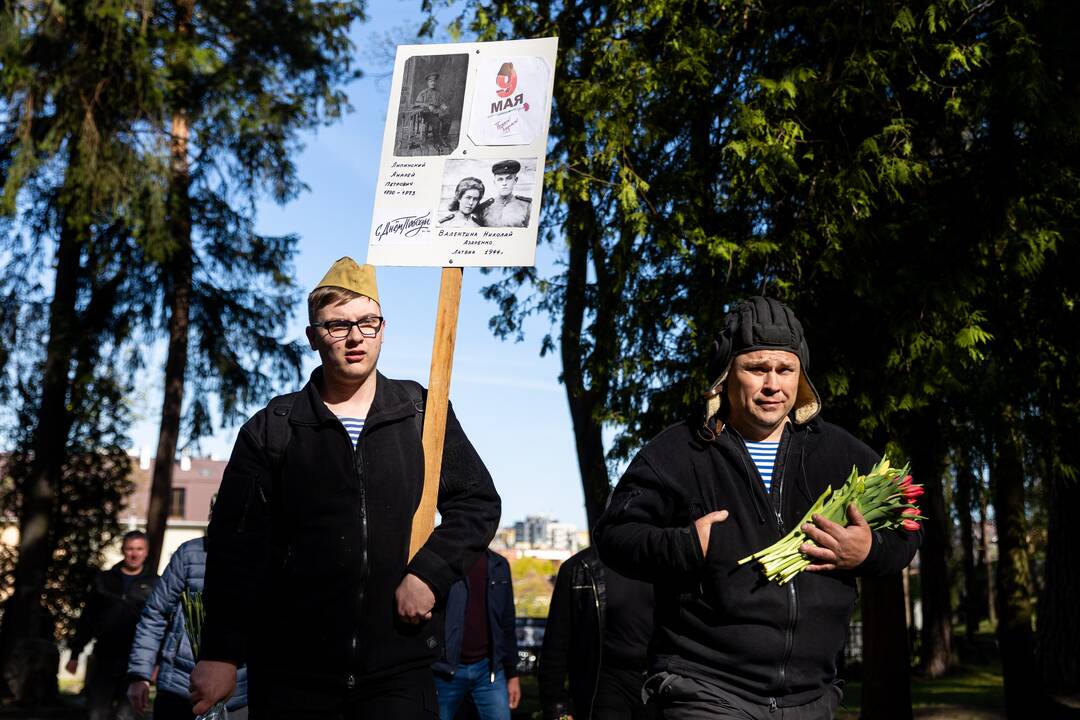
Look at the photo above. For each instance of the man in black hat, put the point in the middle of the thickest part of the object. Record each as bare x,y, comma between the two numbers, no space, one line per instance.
505,209
705,493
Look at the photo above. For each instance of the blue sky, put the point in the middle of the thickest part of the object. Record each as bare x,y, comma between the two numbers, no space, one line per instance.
508,399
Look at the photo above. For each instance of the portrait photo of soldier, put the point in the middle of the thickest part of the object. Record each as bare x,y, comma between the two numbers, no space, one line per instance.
430,105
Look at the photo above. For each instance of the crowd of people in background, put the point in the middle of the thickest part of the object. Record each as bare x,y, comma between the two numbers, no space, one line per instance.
317,609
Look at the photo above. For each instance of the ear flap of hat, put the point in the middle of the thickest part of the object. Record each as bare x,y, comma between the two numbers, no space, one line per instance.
807,401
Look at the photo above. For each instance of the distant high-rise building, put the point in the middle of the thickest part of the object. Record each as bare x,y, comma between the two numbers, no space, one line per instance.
562,536
533,531
541,536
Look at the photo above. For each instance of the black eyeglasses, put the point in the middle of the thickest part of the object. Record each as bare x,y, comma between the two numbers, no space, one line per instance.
368,326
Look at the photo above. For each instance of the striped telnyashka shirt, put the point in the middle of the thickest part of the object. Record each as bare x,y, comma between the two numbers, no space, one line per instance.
764,456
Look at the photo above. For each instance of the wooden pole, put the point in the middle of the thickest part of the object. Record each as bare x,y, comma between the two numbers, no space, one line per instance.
436,405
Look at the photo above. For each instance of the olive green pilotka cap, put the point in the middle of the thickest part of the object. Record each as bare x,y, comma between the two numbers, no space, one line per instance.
347,273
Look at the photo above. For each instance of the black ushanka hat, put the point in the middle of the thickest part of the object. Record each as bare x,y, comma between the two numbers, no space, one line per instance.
761,323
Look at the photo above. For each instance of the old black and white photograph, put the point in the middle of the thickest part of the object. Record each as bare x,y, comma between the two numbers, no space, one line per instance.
430,107
488,193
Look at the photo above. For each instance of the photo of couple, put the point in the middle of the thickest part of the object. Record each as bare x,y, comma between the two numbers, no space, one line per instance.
466,187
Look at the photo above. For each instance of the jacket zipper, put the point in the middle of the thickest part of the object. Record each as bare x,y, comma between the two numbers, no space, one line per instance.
488,587
600,627
358,461
793,595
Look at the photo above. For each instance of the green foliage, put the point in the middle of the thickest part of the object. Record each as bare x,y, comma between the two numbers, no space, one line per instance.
834,154
95,483
904,175
533,584
134,141
90,89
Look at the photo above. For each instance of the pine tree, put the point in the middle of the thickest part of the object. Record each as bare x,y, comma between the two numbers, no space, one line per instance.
241,86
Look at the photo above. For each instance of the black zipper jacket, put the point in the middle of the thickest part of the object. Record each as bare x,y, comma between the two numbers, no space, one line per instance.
578,623
573,638
111,613
717,620
305,554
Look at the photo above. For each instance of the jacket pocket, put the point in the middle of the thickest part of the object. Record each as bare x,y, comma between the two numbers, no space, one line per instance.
725,584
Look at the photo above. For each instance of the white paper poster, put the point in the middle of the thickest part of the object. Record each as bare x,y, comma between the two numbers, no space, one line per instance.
509,102
462,166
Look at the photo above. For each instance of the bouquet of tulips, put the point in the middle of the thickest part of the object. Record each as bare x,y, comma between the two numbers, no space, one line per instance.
194,617
885,496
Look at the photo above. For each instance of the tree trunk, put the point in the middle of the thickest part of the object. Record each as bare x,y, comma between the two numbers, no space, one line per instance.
965,481
580,230
1058,621
984,554
886,691
928,465
179,269
583,406
1015,636
23,616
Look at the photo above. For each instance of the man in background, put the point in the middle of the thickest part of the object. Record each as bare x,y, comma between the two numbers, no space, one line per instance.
597,637
479,658
109,618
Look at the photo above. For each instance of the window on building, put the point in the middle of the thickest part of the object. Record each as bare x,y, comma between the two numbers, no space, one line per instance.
177,500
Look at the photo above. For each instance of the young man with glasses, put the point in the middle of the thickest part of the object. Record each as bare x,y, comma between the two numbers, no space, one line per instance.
308,575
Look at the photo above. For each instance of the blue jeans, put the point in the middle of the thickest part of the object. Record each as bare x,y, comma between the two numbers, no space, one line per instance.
490,697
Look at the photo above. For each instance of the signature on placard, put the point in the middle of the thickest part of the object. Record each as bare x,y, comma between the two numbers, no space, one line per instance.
405,226
504,126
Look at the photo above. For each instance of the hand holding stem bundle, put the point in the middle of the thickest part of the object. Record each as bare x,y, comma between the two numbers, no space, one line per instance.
838,547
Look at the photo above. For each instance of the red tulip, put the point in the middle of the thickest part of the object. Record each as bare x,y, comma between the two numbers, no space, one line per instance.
910,525
912,511
913,491
905,482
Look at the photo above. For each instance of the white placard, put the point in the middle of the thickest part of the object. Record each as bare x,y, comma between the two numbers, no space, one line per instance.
462,167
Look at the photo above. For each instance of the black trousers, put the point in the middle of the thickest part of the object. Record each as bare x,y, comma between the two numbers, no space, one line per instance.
684,698
618,696
409,695
106,688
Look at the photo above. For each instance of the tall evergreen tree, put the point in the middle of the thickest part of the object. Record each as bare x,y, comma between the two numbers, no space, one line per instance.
242,85
72,89
139,137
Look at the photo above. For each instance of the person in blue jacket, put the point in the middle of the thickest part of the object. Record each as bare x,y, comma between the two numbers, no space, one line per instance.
479,657
161,640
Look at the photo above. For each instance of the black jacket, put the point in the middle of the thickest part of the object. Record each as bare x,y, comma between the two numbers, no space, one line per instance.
574,635
502,627
111,614
304,557
717,620
573,638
